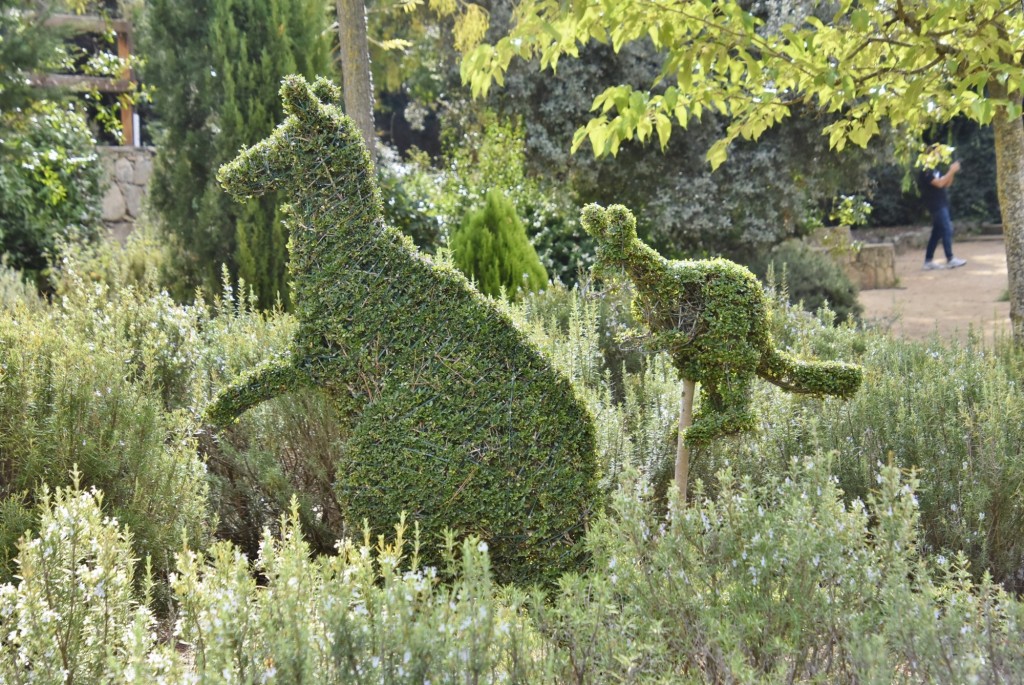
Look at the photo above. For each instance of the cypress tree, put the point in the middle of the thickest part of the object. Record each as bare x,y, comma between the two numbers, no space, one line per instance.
491,247
216,66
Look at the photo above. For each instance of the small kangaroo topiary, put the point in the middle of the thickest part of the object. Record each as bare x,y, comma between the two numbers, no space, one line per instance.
712,317
454,416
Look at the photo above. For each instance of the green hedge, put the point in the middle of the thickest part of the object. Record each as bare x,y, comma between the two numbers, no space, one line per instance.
812,278
455,417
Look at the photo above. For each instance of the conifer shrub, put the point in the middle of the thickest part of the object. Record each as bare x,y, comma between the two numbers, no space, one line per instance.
492,249
215,66
428,201
453,416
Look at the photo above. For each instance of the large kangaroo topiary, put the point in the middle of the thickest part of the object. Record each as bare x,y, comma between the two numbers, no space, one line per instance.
712,318
455,417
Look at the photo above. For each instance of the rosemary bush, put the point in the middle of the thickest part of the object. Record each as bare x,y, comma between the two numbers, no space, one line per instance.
74,617
954,412
780,582
110,378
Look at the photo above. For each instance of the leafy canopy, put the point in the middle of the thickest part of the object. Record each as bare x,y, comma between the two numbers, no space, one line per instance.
911,62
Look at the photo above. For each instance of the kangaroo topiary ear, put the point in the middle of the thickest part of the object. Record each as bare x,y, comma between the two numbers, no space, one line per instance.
297,98
326,92
622,223
594,220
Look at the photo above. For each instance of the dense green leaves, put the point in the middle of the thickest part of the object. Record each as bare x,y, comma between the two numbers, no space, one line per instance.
452,415
49,170
49,182
770,583
910,64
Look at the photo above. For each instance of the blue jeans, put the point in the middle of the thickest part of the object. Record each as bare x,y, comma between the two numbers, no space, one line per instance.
942,228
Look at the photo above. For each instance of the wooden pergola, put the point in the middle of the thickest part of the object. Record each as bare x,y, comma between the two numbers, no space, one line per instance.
123,86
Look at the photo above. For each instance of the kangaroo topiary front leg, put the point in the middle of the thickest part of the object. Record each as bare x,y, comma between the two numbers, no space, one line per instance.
259,385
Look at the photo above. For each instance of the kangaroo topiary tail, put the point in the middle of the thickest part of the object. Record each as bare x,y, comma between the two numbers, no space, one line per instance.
713,319
808,377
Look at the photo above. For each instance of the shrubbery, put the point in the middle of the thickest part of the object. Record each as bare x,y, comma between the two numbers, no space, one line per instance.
74,616
68,397
846,592
952,412
811,277
215,67
111,378
776,583
49,183
428,203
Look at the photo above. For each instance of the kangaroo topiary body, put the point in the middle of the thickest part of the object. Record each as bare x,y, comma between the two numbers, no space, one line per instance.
712,318
455,417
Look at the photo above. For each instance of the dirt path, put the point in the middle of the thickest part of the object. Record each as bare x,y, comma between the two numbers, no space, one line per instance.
946,301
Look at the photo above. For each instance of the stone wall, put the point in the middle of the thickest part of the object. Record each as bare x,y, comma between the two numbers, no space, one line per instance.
869,265
126,171
873,266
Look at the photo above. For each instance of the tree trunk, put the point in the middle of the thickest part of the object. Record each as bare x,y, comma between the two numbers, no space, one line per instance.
355,70
682,449
1009,145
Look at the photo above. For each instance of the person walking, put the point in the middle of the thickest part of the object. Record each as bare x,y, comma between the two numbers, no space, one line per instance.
933,184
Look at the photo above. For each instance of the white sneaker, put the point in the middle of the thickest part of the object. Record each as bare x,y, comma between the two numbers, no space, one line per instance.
930,265
955,262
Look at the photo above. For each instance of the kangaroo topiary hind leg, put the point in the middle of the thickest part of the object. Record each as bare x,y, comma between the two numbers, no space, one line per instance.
725,410
261,384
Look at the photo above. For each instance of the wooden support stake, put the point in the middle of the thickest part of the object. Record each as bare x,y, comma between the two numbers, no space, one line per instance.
682,450
124,51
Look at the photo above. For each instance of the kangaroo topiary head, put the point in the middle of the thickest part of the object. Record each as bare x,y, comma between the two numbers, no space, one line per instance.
288,158
614,230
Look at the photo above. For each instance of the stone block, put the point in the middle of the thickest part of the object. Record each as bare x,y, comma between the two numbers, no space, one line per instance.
113,204
123,170
120,230
133,196
871,266
876,265
143,169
